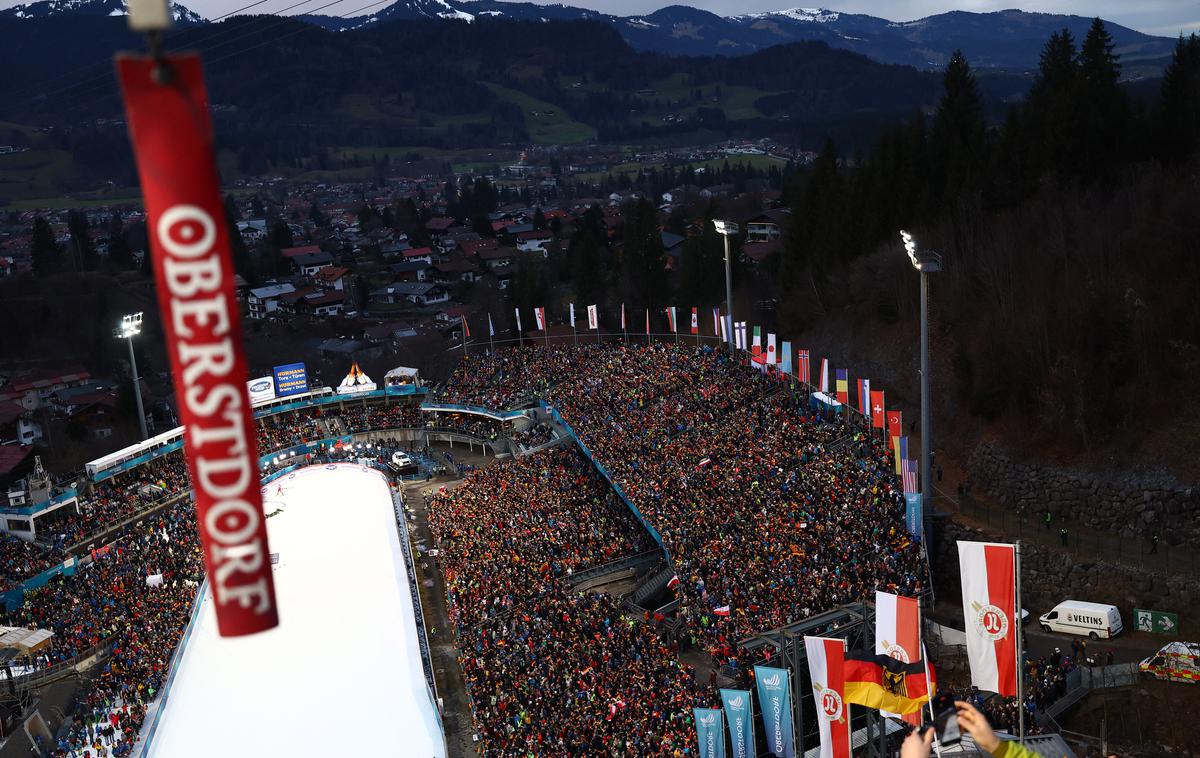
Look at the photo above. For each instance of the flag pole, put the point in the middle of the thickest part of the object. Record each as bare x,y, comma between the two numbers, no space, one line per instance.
1020,654
937,747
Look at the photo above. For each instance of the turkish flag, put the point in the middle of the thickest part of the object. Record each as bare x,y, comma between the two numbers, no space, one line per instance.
877,411
895,426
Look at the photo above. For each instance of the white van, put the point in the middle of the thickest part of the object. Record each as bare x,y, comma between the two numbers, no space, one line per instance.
1096,620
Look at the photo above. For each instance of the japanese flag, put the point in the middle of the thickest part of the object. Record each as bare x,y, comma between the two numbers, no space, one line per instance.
826,657
772,356
989,592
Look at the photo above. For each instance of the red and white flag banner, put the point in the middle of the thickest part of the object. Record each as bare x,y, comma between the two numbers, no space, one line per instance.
898,632
826,659
539,314
172,137
989,592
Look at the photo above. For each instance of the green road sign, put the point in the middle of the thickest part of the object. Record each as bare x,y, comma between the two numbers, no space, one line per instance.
1159,622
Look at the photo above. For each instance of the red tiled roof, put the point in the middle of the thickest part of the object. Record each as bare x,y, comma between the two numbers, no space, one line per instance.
417,252
12,456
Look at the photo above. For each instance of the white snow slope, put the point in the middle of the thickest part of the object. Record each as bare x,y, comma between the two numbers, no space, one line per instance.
341,674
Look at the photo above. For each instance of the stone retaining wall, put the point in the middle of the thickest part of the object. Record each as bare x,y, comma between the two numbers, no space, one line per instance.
1129,504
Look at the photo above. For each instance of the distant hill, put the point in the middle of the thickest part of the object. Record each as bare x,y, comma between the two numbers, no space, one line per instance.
1009,40
58,8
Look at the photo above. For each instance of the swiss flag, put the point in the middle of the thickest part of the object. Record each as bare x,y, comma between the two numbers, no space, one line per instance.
878,417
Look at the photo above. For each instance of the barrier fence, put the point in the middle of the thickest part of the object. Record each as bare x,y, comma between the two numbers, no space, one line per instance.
1020,523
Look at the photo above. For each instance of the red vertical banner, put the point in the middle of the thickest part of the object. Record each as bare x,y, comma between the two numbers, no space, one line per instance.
171,132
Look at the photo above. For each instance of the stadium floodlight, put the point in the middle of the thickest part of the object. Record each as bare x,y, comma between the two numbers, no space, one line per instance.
926,262
130,327
727,229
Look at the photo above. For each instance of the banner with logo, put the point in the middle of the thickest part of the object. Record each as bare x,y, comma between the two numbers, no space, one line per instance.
261,389
914,520
740,715
172,138
710,731
989,594
826,656
290,379
775,697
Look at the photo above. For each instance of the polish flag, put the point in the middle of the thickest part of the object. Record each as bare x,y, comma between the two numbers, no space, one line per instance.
826,657
722,611
989,592
898,633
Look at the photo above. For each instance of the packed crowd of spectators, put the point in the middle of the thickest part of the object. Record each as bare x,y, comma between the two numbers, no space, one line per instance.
114,500
762,514
534,436
19,560
363,418
467,423
551,671
286,430
110,602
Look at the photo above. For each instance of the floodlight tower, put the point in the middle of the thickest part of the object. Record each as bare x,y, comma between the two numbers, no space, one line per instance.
130,327
926,262
728,229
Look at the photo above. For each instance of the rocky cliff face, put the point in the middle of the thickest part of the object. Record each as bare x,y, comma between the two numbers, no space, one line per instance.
1131,504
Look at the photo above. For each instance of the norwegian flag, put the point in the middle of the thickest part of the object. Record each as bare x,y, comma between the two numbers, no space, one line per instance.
909,476
804,374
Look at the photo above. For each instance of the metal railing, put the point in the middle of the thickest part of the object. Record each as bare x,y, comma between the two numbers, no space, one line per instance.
645,558
1019,523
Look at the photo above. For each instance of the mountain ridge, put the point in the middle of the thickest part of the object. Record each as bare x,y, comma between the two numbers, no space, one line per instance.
1008,39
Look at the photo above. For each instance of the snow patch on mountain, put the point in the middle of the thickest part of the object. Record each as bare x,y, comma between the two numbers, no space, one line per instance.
809,15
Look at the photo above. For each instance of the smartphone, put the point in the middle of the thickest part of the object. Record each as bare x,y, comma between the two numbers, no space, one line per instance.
945,720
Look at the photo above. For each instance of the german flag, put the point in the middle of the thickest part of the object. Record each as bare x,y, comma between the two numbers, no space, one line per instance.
886,684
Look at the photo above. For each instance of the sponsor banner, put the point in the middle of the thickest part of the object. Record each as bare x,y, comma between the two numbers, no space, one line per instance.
740,715
989,595
171,132
290,379
261,389
710,732
913,514
593,317
775,697
826,659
